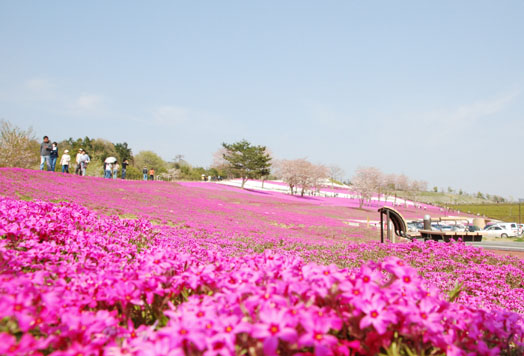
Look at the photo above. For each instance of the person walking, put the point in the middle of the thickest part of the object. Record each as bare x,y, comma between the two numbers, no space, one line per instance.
78,168
107,170
124,168
53,156
115,170
45,151
84,161
64,161
144,172
151,174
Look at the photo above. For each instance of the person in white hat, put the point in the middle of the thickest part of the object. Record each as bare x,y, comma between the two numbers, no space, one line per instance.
78,169
64,161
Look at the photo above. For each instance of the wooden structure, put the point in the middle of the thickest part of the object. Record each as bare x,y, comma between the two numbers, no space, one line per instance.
394,219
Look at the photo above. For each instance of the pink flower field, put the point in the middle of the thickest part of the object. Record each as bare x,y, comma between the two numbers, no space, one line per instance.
109,267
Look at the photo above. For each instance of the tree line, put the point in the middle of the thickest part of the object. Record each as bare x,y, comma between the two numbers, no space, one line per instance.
241,159
20,148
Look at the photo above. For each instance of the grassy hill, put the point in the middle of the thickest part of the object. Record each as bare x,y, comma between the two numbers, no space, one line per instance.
469,204
505,211
442,199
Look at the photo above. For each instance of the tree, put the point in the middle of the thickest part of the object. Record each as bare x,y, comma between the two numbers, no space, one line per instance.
390,183
318,174
150,159
287,170
219,163
366,182
417,186
74,145
335,173
246,161
380,182
403,182
101,149
123,152
301,173
19,147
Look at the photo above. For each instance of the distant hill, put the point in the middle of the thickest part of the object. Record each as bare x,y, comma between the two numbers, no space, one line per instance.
443,199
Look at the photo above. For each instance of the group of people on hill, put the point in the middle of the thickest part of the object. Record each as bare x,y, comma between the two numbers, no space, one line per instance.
111,169
151,173
49,156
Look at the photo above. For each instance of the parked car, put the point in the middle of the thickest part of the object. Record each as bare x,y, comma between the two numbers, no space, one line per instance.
436,227
414,226
473,228
498,231
510,226
446,228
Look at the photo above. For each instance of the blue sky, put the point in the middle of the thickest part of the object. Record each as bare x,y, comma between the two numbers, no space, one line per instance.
433,90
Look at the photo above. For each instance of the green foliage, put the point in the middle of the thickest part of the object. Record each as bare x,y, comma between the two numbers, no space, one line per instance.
94,169
186,172
123,152
98,149
101,149
150,159
455,293
441,199
247,161
133,173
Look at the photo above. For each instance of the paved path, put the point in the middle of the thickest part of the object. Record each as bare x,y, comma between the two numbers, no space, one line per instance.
503,246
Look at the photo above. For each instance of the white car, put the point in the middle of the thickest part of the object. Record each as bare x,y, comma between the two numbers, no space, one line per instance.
510,226
497,231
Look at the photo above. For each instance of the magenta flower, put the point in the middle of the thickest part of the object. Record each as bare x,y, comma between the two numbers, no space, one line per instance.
377,315
274,325
75,280
317,335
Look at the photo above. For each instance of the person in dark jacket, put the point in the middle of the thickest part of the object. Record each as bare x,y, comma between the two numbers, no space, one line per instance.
53,156
124,168
45,151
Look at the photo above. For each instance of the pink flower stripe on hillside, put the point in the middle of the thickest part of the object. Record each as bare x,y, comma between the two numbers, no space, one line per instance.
74,282
196,204
410,213
353,202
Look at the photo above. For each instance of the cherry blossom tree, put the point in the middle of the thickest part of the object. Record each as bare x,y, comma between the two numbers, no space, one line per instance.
335,173
19,147
366,181
301,173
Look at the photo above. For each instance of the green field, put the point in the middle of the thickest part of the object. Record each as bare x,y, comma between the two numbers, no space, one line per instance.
503,211
440,198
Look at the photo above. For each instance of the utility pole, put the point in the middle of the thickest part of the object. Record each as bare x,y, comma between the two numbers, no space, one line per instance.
520,203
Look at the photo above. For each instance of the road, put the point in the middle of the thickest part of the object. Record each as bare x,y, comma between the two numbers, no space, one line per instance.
502,246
